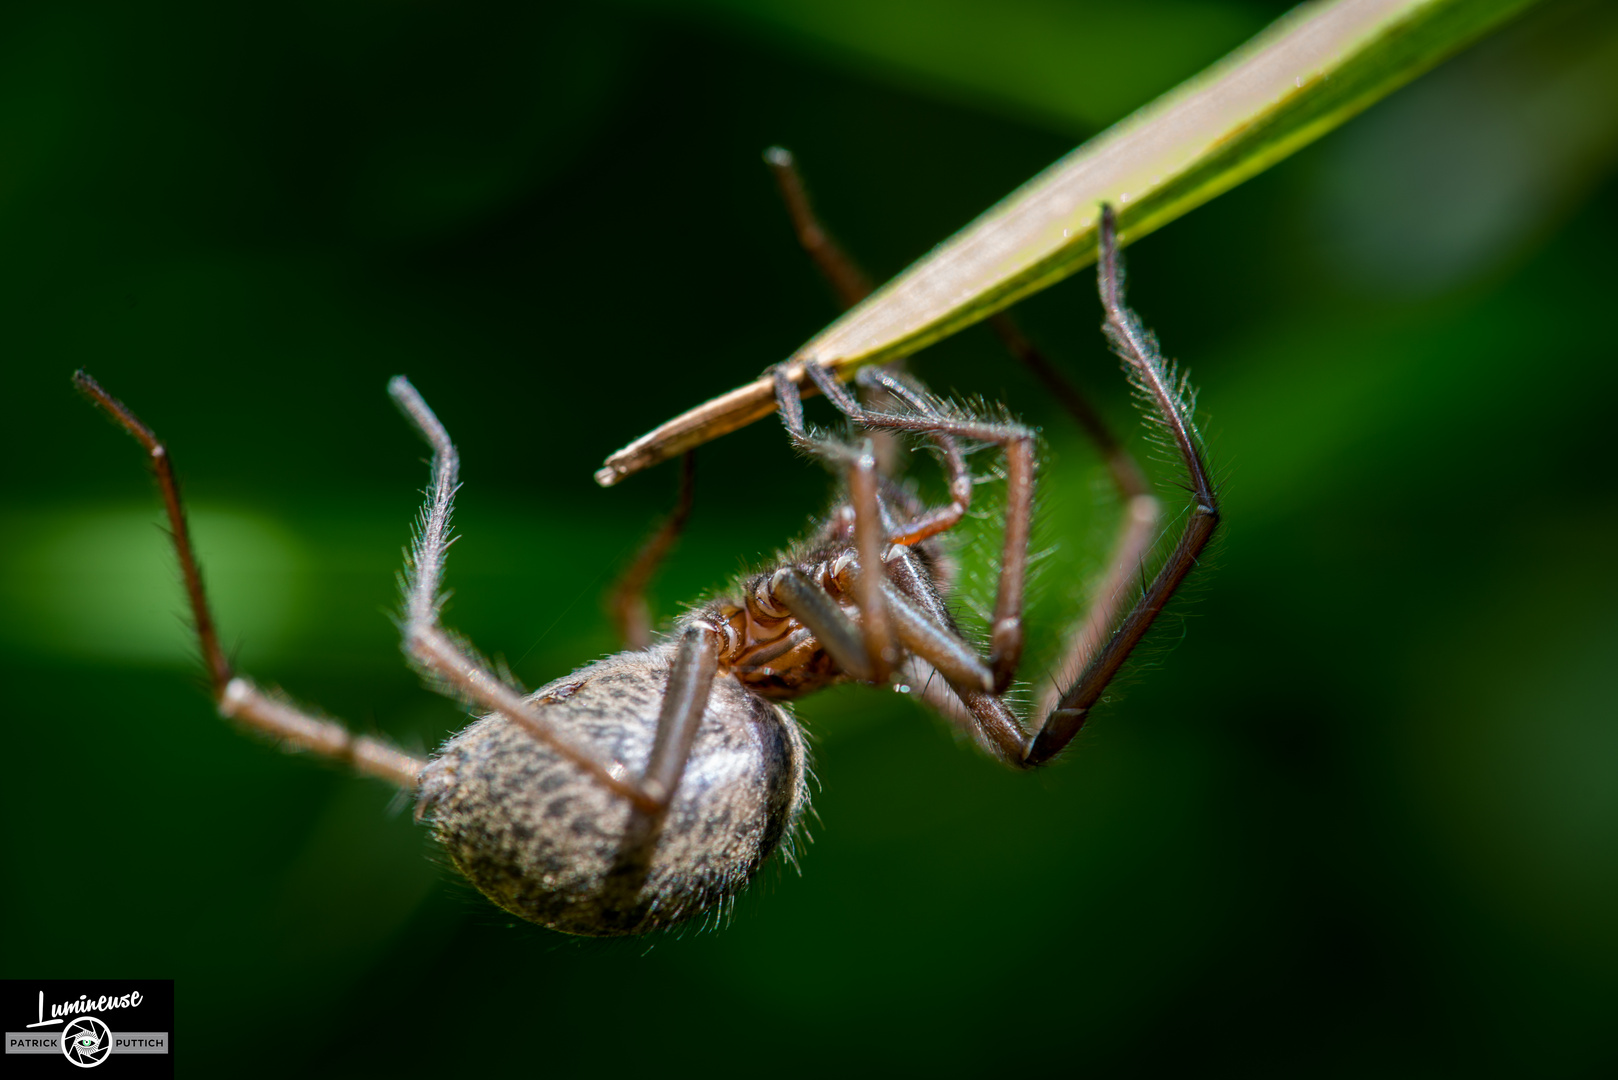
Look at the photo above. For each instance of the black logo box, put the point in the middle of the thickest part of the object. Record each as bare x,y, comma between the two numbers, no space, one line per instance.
20,1006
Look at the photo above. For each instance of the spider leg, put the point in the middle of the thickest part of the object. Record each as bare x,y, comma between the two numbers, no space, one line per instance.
927,523
453,667
923,635
964,703
812,606
852,285
1017,442
1090,658
1152,378
869,525
1142,510
847,280
236,696
626,601
685,700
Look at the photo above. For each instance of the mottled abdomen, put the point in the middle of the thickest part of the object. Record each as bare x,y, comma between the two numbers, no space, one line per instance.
549,844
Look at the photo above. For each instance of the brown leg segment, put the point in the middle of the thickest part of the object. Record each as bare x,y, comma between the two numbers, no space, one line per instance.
1005,634
1141,510
820,615
1100,662
1095,651
1135,532
869,538
455,669
685,700
1152,377
236,696
962,702
847,280
627,600
929,523
843,274
450,666
851,286
923,635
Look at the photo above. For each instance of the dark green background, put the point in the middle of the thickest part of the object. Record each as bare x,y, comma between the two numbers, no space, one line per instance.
1357,812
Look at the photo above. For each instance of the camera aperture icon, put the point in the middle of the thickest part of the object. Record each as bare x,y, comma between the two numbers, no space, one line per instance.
86,1042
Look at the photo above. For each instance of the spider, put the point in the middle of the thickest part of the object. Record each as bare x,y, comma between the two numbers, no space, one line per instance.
647,788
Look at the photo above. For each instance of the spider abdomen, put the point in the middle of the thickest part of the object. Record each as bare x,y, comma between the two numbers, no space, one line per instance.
550,844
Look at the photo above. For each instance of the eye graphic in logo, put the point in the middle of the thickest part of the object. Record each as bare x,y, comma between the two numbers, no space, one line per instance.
86,1042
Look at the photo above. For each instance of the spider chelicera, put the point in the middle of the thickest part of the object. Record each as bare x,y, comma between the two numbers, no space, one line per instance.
647,788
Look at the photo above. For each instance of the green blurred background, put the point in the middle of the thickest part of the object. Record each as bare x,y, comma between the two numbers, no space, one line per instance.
1356,811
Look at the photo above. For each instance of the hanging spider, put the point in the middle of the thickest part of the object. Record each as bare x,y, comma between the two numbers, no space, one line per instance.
647,788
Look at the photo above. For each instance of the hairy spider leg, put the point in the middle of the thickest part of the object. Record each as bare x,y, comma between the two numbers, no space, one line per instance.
1136,531
1152,378
964,691
626,601
452,666
1142,510
1101,640
910,622
236,696
863,479
685,701
847,280
841,637
1150,374
849,284
1016,441
926,630
917,627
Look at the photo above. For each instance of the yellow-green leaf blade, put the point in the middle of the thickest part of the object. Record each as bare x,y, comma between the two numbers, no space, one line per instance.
1304,76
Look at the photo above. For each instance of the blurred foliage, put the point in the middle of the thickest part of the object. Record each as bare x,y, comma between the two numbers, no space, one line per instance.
1357,810
1077,66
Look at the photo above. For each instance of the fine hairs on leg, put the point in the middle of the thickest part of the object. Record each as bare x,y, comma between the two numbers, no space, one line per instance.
1099,644
236,696
439,656
1142,510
